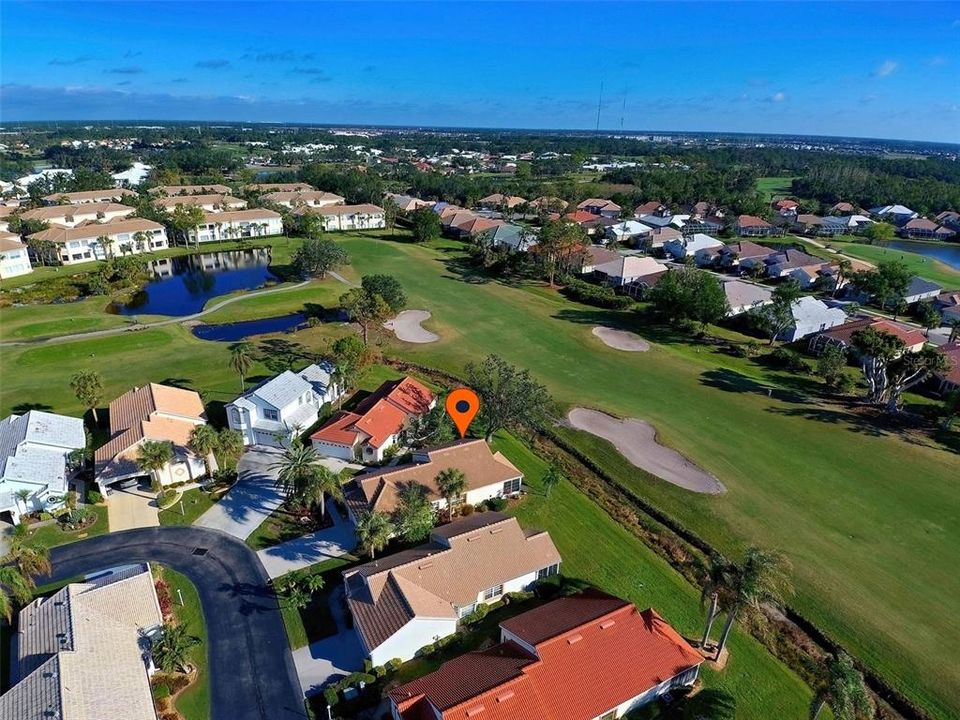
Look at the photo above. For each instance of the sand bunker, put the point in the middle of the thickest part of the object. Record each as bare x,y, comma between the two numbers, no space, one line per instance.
637,442
621,339
406,326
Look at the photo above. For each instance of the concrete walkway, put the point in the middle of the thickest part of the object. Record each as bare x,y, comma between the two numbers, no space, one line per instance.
332,658
251,500
133,508
309,549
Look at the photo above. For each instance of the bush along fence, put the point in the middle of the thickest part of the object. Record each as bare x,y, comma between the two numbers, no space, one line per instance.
790,636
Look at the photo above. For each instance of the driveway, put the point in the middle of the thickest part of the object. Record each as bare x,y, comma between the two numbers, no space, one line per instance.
252,673
310,549
133,508
251,499
332,658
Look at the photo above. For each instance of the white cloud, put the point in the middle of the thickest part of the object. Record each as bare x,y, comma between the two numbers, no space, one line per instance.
887,67
778,97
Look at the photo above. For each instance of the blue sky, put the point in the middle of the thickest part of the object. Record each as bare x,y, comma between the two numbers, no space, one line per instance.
860,69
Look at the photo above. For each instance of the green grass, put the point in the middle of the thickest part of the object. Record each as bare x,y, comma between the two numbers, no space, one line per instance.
195,503
922,265
194,702
774,187
51,535
315,621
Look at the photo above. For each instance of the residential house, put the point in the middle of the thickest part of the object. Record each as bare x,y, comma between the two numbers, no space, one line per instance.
584,219
744,296
596,255
751,226
948,304
207,203
896,214
599,206
6,212
14,256
626,269
408,203
808,224
921,289
347,217
743,254
84,197
236,224
841,335
307,198
470,227
589,656
786,208
658,237
415,597
80,651
700,247
546,203
488,475
499,201
376,424
811,316
920,228
279,409
73,215
844,208
158,413
279,187
628,232
844,225
782,263
98,241
654,207
950,219
171,190
949,379
515,237
35,451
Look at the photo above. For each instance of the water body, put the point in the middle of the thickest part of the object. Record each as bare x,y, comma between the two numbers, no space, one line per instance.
183,285
234,332
947,254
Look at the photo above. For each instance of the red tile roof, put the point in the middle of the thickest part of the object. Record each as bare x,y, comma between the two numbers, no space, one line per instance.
751,221
580,217
952,374
593,652
844,333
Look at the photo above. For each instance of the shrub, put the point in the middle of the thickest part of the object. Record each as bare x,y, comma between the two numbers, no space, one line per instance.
597,295
45,516
476,616
427,649
497,504
788,360
331,696
518,596
480,507
465,510
161,691
94,497
177,682
379,671
367,665
393,665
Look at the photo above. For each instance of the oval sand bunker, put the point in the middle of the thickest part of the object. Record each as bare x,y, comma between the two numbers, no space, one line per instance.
621,339
406,326
637,442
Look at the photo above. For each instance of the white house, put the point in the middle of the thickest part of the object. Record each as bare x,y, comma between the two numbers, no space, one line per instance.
235,224
277,410
73,215
14,257
376,424
811,316
347,217
207,203
35,453
921,289
413,598
135,175
698,246
627,231
627,268
98,241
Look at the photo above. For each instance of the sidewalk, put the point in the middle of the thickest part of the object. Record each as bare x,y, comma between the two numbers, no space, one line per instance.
310,549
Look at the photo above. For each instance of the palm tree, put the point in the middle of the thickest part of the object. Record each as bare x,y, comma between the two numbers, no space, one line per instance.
203,441
230,445
715,581
452,482
154,456
760,579
172,649
842,688
325,482
241,359
14,588
374,530
29,560
23,495
844,268
297,470
314,583
552,478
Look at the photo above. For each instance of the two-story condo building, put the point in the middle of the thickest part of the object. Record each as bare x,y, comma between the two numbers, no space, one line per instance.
98,241
412,598
277,410
207,203
303,198
73,215
236,224
347,217
171,190
84,197
14,257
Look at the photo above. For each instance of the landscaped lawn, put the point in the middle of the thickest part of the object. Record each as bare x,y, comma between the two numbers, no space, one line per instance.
315,621
851,504
51,535
280,526
195,503
771,187
194,702
923,266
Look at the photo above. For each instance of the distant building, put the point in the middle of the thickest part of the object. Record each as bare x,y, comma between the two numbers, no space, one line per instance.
207,203
14,256
347,217
304,198
751,226
184,190
600,206
73,215
98,241
111,195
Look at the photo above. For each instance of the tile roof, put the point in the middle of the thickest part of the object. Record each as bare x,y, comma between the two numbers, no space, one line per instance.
599,203
279,187
10,241
170,190
380,489
746,250
844,333
461,560
169,203
239,215
94,230
363,208
51,212
580,216
952,353
592,652
303,196
790,258
111,194
752,221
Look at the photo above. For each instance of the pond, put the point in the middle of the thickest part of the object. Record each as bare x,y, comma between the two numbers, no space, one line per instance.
948,254
183,285
234,332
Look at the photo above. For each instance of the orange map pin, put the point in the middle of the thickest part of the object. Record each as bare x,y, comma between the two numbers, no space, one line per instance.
462,406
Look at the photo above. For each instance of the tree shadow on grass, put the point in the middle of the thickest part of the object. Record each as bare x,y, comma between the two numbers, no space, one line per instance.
182,383
26,407
735,382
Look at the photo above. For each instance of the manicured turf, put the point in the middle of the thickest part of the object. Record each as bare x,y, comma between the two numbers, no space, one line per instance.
774,187
194,702
923,266
195,503
51,535
315,621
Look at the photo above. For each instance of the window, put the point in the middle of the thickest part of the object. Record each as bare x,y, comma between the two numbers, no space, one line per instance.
548,571
491,593
466,610
511,487
270,414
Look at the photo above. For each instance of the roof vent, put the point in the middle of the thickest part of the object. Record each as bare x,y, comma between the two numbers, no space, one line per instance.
503,697
496,530
607,623
574,639
473,712
472,538
424,566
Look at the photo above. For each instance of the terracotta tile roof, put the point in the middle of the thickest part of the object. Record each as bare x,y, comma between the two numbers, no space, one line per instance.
94,230
10,241
366,208
237,215
842,207
461,560
172,202
594,652
785,204
844,333
751,221
55,211
598,202
952,353
380,489
304,196
476,225
84,195
279,187
546,201
580,217
648,207
190,190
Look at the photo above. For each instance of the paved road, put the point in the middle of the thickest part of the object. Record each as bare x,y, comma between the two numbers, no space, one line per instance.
253,676
309,549
250,500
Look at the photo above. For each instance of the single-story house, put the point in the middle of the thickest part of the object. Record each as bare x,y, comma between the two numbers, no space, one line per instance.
589,656
110,195
515,237
376,424
465,225
639,286
596,255
499,201
236,224
743,296
676,221
549,204
171,190
626,269
921,228
488,474
207,203
626,231
412,598
309,198
348,217
808,224
128,236
751,226
743,254
841,335
658,237
843,208
780,264
921,289
73,215
584,219
653,207
845,224
700,247
949,380
948,304
408,203
811,316
786,208
896,214
600,206
949,219
279,187
35,451
159,413
80,652
278,409
14,256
